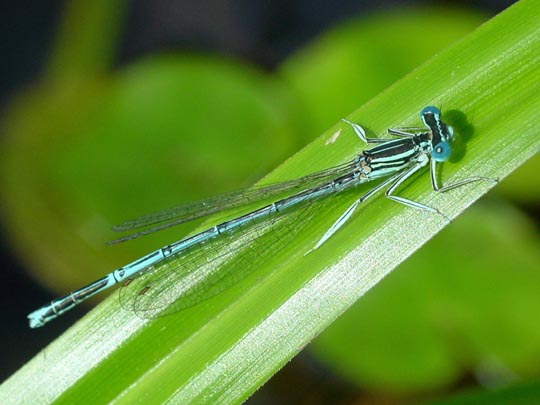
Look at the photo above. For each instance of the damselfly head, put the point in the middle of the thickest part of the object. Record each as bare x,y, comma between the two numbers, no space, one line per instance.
441,134
431,117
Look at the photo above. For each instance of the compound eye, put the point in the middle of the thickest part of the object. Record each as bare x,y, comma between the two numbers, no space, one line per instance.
441,152
431,110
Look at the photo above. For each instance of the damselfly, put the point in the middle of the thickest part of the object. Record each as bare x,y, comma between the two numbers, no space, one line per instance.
193,269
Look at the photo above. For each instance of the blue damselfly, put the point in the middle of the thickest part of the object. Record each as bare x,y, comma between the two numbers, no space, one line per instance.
180,286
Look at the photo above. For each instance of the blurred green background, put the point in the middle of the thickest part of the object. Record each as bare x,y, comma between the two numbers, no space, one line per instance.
135,107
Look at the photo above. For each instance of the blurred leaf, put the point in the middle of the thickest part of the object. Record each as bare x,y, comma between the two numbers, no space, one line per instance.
163,131
86,39
522,185
517,394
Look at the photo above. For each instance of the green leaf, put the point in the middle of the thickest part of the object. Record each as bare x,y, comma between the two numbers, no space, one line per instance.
223,349
465,305
357,59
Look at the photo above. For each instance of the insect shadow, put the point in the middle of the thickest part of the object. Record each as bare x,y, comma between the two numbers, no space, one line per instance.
464,131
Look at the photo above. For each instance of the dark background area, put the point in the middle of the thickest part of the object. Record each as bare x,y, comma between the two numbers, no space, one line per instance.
259,31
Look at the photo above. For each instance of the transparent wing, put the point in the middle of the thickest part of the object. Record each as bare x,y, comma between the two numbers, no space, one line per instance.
205,270
187,212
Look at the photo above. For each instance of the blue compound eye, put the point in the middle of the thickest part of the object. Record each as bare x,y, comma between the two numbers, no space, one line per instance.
431,110
441,151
